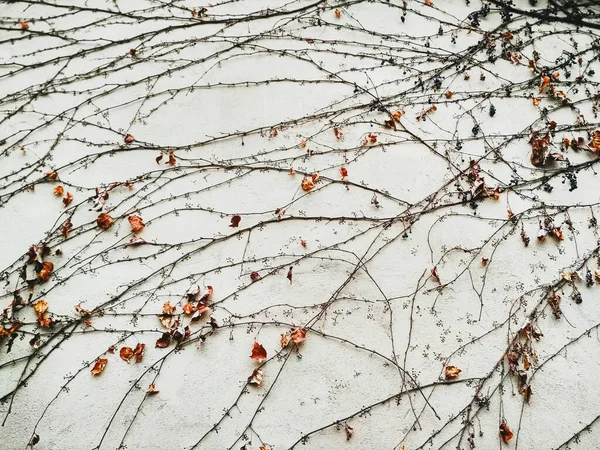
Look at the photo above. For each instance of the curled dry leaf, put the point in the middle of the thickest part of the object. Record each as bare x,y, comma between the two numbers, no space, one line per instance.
99,366
292,171
138,352
172,161
298,335
339,134
285,340
527,393
337,13
10,330
152,390
307,184
258,352
126,353
104,221
66,228
256,378
83,312
129,139
344,172
558,234
168,309
163,341
41,306
235,221
59,191
435,276
188,308
451,372
545,83
44,273
289,275
67,199
24,25
159,158
505,433
254,276
137,223
349,432
135,240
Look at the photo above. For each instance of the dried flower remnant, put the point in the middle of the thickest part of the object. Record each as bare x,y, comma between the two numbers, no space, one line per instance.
137,223
451,372
256,378
258,352
104,221
99,366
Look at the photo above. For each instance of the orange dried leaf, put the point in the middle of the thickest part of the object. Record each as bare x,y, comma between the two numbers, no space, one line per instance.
126,353
451,372
104,221
302,143
292,171
536,101
136,222
172,161
168,309
44,273
41,306
285,340
545,83
428,2
448,94
59,191
298,335
258,352
24,25
337,13
83,312
307,184
152,390
129,139
505,433
99,366
188,308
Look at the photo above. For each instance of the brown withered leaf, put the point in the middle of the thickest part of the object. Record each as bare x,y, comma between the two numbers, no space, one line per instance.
129,139
343,172
451,372
235,221
289,275
307,184
349,432
434,274
138,352
137,223
258,352
159,158
111,349
527,393
10,330
41,306
99,366
51,175
256,378
126,353
285,340
45,321
67,199
152,390
104,221
163,341
172,161
505,433
66,228
558,234
298,335
168,309
59,191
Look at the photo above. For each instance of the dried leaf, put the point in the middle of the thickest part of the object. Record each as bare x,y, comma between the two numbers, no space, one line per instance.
451,372
285,340
136,222
307,184
349,432
129,139
558,234
505,433
81,311
254,276
41,306
188,308
337,13
159,158
99,366
256,378
258,352
67,199
435,275
44,273
168,309
303,243
138,352
104,221
59,191
126,353
135,240
152,390
339,134
172,161
527,392
344,172
298,335
24,25
545,83
66,228
289,275
235,221
164,340
536,101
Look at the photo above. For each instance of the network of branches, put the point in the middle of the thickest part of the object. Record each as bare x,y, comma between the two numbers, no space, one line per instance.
278,225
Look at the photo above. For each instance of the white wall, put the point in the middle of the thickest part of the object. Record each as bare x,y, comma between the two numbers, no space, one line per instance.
380,327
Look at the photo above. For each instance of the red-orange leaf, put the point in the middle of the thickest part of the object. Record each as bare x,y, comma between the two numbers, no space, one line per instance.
152,390
505,432
126,353
59,191
67,199
104,221
99,366
258,352
451,372
129,139
344,172
136,222
172,161
44,273
138,352
298,335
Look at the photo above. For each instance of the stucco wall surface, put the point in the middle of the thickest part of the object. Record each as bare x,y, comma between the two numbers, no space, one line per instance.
353,225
